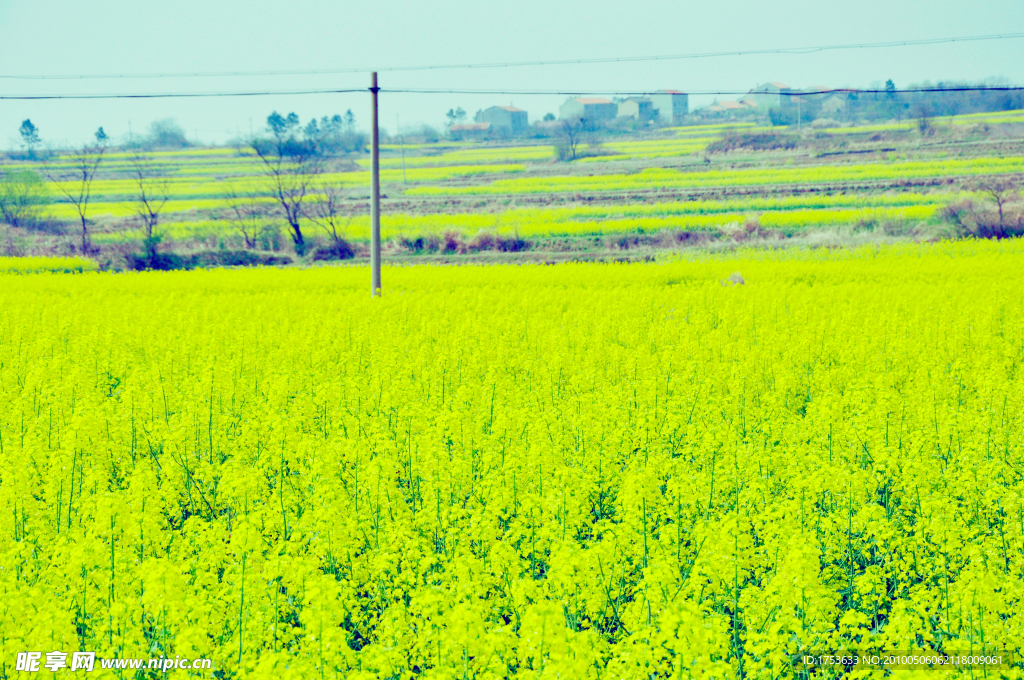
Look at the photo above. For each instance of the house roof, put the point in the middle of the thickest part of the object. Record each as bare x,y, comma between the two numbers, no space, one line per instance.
510,108
670,92
732,106
593,100
781,86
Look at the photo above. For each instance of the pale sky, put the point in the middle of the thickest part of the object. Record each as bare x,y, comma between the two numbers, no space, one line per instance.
60,37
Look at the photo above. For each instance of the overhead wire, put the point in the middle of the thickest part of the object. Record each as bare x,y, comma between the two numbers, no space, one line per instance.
519,64
179,95
647,93
562,92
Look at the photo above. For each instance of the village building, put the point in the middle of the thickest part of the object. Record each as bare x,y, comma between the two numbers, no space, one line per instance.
671,106
469,130
591,109
637,108
507,117
835,104
731,107
771,96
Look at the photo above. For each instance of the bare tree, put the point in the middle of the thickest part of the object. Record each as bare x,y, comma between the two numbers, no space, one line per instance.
291,164
980,219
1001,190
151,193
75,179
924,121
568,137
247,215
327,212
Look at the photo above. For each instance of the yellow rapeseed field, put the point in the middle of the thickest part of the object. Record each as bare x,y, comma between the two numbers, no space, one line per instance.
31,265
581,471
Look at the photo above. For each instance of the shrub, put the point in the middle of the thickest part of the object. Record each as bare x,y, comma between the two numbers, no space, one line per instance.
156,261
429,243
980,220
201,260
452,242
482,241
234,258
750,229
21,197
766,141
512,244
338,249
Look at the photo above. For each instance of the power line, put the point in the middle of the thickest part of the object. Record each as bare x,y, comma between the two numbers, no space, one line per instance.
517,64
177,95
730,53
647,93
567,93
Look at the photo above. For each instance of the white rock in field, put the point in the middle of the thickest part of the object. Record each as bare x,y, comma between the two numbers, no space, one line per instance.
735,279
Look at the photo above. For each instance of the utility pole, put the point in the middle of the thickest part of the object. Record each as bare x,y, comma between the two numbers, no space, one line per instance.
374,191
401,140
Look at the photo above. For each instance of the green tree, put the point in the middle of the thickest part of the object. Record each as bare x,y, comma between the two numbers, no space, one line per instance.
282,127
334,135
455,117
165,134
29,137
22,193
892,102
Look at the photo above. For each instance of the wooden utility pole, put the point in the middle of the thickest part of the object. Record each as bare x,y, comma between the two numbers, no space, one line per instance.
401,140
374,192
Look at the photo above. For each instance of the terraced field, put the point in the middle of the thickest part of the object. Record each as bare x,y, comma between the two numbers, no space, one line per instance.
878,176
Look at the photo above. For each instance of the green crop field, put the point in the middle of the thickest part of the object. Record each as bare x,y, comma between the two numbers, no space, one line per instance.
586,471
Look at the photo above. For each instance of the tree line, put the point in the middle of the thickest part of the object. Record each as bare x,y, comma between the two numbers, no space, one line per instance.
293,158
946,98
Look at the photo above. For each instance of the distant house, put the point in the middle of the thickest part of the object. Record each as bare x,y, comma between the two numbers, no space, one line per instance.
508,117
730,107
816,93
835,103
671,106
470,130
593,109
638,108
771,96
